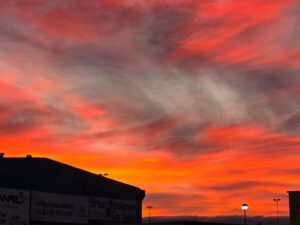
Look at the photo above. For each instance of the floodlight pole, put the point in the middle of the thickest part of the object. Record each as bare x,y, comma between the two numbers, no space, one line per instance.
149,207
277,207
244,207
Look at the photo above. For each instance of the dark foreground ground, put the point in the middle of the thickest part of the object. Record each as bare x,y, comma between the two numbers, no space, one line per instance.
219,220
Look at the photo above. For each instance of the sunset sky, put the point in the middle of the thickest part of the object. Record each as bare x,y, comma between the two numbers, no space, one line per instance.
195,101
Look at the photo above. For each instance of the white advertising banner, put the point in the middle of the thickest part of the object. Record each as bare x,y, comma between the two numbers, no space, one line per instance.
115,210
59,208
14,207
99,209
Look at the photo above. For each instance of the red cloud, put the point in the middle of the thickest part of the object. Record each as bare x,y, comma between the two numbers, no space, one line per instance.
235,32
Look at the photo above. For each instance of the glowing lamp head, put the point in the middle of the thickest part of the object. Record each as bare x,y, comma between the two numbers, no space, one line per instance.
244,207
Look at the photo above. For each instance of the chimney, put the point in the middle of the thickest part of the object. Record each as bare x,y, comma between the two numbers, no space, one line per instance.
1,155
28,156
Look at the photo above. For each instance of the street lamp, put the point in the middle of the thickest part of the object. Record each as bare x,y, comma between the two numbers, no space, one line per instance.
244,207
277,200
149,207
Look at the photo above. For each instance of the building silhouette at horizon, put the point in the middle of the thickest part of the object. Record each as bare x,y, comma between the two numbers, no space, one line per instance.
44,191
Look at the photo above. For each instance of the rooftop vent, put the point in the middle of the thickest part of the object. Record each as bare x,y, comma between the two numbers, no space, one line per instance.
28,156
103,174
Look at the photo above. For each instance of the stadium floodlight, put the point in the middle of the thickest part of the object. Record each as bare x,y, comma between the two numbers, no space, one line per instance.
245,207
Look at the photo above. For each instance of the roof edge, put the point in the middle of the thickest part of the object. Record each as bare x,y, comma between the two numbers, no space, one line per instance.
73,167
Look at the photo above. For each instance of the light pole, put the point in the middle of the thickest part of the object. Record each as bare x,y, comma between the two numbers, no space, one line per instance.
244,207
277,200
149,207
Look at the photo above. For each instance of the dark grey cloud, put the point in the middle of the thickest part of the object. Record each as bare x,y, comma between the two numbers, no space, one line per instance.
12,30
162,28
121,61
18,117
291,124
234,186
180,202
167,134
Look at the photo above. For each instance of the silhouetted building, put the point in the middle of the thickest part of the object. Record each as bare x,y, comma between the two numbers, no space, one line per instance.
44,191
294,204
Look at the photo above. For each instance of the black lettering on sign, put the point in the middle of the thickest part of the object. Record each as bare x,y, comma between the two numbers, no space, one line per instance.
10,198
58,212
67,213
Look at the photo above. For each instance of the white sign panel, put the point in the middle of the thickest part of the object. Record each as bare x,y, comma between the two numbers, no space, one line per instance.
99,209
59,208
115,210
14,207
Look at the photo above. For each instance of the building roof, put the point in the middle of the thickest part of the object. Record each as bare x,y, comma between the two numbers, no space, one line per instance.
43,174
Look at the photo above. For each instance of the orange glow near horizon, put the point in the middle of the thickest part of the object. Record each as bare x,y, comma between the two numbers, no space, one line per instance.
197,186
196,102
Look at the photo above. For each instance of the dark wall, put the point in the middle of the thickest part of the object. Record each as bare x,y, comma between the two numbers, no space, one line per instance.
294,204
46,175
